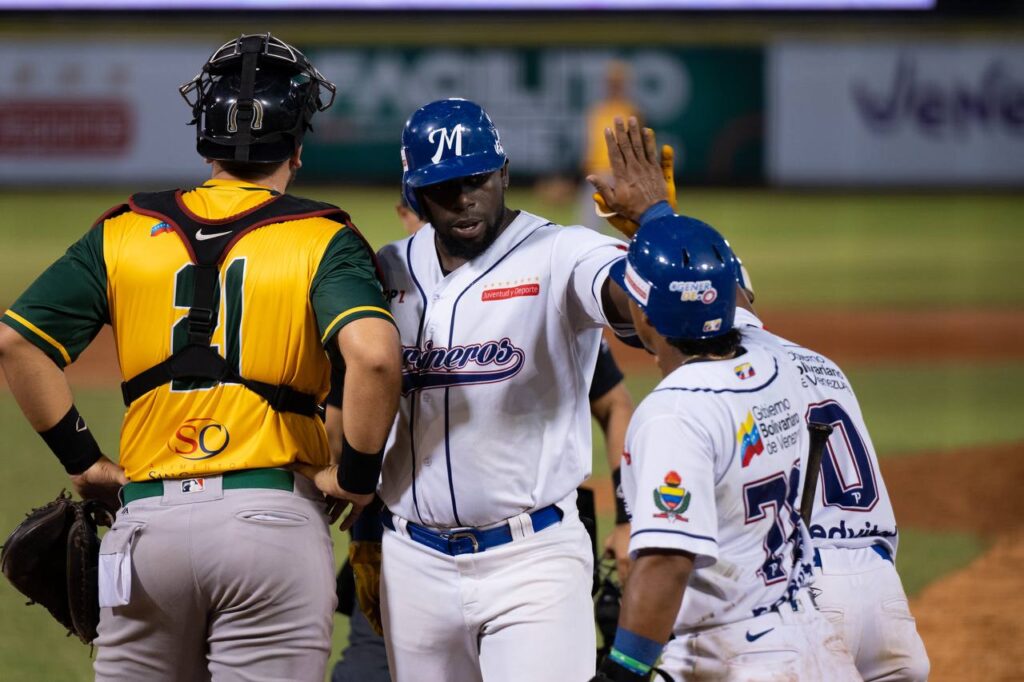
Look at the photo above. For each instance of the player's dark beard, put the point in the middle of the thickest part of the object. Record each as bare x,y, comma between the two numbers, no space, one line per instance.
468,250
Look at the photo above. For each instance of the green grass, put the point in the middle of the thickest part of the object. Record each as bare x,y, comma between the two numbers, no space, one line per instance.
858,250
913,408
924,556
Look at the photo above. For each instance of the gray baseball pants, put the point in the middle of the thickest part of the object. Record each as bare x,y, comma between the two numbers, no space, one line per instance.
225,584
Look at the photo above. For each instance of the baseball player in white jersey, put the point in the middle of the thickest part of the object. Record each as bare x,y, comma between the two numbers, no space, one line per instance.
853,528
487,568
711,475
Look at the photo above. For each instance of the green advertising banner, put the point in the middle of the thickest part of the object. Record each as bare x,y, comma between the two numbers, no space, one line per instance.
707,102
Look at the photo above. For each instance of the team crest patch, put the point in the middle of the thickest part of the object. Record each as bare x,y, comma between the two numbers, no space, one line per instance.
671,498
744,371
749,439
713,325
160,228
193,485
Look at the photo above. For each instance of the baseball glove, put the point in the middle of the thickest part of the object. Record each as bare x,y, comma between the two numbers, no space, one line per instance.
365,559
52,557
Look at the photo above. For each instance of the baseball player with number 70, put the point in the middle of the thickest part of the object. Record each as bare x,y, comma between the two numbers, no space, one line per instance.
711,475
853,528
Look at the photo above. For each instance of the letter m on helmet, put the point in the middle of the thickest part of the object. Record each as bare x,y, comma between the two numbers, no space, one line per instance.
446,141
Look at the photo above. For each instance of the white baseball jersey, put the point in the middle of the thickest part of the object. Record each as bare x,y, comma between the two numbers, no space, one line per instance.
852,507
497,361
713,466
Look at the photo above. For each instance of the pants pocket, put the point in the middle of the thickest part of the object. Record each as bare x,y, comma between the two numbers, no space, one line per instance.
115,565
273,517
764,666
897,607
832,615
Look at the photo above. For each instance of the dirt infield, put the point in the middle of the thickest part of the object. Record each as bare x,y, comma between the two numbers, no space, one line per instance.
890,336
972,621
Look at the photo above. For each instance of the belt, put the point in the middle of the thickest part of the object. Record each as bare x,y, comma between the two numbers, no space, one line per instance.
880,550
472,540
271,479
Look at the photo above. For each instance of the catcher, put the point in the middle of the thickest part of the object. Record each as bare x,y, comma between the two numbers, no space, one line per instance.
228,302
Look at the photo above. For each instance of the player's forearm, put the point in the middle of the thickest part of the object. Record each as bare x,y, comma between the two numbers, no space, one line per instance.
620,409
334,425
38,385
373,380
655,580
615,302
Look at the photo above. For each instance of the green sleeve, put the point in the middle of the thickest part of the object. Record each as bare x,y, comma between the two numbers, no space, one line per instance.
345,287
64,309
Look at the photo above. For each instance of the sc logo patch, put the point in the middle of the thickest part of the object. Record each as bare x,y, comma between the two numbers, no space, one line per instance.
199,438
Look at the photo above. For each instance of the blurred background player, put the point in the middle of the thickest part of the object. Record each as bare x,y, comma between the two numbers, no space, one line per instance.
599,116
853,528
208,442
611,406
711,476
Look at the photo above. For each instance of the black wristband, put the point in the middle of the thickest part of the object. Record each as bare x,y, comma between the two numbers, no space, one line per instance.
73,443
613,672
620,505
358,472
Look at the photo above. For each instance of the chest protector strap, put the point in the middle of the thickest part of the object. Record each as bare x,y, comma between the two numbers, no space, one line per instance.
208,241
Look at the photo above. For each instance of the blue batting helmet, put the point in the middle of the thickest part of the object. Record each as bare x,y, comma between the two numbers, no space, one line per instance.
447,139
682,273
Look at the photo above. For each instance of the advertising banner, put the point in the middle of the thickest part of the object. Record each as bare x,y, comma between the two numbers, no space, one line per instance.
916,113
707,102
92,113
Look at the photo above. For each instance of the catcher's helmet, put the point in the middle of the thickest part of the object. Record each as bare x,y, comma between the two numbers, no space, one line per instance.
254,99
446,139
682,273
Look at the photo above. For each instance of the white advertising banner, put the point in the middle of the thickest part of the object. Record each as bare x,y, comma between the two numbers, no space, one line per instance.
97,112
921,113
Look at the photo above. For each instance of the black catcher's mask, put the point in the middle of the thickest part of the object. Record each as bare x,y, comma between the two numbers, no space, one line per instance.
254,100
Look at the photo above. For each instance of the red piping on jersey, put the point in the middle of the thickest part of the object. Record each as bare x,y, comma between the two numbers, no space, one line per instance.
346,220
219,221
110,213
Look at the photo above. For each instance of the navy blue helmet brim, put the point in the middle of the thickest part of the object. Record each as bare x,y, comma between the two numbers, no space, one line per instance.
449,169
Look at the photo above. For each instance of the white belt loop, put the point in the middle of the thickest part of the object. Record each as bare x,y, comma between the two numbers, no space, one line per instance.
521,526
401,525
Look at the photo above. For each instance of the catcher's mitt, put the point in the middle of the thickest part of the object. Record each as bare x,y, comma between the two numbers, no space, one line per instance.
52,558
